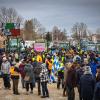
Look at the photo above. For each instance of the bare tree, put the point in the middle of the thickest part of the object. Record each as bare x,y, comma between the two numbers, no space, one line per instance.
90,33
79,31
37,27
28,30
33,29
58,34
9,15
98,31
55,33
64,35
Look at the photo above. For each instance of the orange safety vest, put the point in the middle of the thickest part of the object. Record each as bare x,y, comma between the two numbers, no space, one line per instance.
49,64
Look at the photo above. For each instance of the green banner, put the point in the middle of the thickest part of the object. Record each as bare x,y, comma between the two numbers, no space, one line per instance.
9,26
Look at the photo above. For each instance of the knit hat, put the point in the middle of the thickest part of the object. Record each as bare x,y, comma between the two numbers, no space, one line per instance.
87,70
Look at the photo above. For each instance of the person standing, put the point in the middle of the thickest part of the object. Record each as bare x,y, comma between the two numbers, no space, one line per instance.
87,84
44,80
37,69
5,68
71,81
14,71
60,75
21,69
66,68
49,64
29,76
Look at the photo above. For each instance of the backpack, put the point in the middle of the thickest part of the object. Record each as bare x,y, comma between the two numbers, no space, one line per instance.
37,68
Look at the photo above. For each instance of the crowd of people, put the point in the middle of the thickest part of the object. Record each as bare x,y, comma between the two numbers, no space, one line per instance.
69,69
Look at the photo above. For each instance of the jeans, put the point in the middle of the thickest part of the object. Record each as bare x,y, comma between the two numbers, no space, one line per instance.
60,81
27,86
39,85
6,79
44,89
71,92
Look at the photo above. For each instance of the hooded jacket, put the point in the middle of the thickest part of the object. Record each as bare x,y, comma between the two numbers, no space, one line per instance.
87,84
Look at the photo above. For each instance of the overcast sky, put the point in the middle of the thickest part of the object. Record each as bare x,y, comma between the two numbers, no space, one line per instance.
61,13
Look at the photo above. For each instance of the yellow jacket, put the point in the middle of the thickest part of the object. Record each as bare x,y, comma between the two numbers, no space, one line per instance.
13,72
39,58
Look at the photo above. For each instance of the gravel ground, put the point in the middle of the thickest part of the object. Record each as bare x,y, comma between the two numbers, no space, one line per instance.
55,94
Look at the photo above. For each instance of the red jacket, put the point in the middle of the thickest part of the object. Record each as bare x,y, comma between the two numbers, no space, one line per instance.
21,68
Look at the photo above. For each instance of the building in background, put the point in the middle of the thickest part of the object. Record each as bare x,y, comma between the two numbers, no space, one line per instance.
2,42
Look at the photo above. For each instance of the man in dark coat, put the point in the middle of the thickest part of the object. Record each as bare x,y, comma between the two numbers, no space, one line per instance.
87,84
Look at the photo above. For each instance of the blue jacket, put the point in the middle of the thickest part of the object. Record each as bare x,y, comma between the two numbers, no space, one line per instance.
93,66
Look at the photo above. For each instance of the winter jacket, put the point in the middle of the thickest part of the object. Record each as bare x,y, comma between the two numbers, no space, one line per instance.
49,64
5,67
29,72
66,68
87,84
39,58
21,69
93,66
71,77
44,74
14,71
36,68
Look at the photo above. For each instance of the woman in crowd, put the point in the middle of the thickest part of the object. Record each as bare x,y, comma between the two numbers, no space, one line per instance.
29,76
44,80
21,68
71,81
14,71
5,68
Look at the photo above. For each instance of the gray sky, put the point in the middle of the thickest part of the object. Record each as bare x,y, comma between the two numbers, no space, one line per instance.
62,13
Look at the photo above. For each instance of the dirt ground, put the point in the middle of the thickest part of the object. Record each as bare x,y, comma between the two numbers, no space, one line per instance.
55,94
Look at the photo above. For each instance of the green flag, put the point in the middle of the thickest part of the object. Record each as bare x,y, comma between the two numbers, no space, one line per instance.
9,26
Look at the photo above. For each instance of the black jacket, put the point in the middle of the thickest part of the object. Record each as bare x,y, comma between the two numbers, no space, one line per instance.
97,91
87,84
